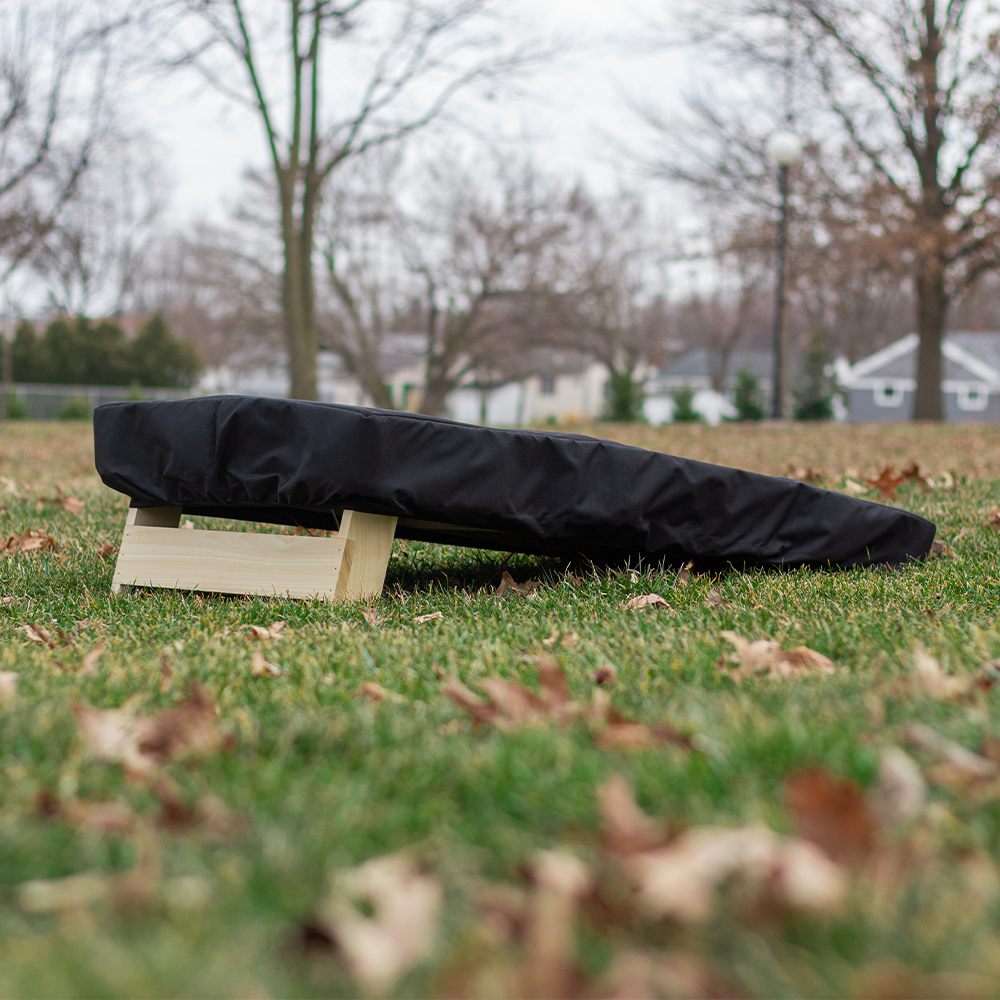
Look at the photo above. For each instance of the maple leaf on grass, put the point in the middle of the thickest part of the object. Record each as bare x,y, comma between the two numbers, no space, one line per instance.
433,616
62,499
263,633
993,519
30,541
958,765
766,657
713,599
887,482
107,549
831,813
375,693
933,681
261,666
508,586
645,601
394,932
625,828
140,743
40,634
374,619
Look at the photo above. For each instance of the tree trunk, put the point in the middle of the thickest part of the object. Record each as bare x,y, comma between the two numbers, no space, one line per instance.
932,310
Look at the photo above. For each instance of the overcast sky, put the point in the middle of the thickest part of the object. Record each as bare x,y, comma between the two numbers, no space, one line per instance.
207,142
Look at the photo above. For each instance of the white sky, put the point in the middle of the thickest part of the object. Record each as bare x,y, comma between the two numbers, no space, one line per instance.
207,142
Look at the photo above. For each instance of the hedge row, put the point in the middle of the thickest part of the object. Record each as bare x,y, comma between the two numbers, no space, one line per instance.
79,352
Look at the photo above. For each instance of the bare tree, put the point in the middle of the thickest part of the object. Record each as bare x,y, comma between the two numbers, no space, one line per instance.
58,61
394,67
912,87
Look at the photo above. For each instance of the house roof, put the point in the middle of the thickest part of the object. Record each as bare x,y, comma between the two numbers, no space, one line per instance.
697,364
967,356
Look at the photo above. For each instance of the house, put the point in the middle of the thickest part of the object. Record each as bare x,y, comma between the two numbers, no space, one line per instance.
563,386
882,386
694,369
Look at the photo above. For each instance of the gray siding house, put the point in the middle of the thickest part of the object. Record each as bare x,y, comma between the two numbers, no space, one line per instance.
882,386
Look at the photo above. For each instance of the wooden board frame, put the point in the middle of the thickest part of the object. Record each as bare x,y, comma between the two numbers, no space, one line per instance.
156,552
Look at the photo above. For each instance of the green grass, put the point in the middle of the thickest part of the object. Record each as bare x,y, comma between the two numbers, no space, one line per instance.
328,780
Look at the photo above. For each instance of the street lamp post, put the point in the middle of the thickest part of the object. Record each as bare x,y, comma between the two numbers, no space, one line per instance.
784,148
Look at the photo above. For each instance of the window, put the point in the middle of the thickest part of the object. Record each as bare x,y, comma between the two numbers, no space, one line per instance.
973,397
548,385
888,394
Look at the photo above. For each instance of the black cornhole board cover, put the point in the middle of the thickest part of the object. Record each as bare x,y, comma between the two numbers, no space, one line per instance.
290,462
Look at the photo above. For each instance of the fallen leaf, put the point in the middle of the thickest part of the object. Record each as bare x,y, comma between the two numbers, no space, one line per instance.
681,879
805,475
854,487
887,482
635,973
263,633
30,541
993,519
940,550
831,813
8,602
713,599
260,666
62,499
564,639
764,656
899,797
647,601
41,635
684,575
508,586
8,686
914,473
624,734
374,619
551,967
370,691
140,743
397,930
107,549
964,762
433,616
933,681
604,675
626,829
88,666
82,814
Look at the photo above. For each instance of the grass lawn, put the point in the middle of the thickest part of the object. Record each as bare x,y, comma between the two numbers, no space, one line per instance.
220,857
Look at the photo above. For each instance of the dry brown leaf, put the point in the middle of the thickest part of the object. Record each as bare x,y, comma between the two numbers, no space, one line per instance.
987,675
140,742
8,602
680,880
887,482
30,541
396,934
565,639
551,967
136,889
260,666
62,499
914,473
264,633
624,734
831,813
898,798
993,519
370,691
764,656
107,549
374,619
433,616
88,666
604,675
933,681
82,814
684,575
854,487
647,601
39,634
805,474
964,763
626,829
8,686
713,599
509,586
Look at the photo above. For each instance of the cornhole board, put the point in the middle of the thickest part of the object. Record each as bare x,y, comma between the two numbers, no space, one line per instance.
367,476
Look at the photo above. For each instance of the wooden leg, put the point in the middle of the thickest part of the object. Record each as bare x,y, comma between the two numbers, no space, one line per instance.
155,554
372,534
